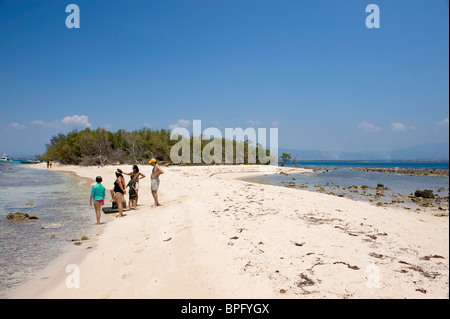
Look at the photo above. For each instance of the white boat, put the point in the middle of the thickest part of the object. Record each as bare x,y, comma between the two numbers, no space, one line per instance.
5,158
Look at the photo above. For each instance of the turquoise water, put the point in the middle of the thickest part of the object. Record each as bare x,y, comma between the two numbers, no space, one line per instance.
62,204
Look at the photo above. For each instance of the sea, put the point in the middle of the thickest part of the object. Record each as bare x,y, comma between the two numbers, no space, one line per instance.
373,164
62,204
333,176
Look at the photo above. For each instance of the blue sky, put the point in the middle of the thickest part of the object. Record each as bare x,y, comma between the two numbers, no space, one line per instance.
311,68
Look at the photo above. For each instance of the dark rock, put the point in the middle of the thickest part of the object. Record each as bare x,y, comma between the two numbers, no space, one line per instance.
13,217
427,193
407,171
427,203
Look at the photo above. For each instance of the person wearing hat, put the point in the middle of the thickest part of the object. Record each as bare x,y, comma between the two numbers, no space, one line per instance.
156,172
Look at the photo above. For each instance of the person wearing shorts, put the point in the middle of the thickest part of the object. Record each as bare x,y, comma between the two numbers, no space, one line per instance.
155,184
98,195
156,172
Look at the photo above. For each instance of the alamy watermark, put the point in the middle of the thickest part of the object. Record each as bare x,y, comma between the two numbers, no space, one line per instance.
73,19
235,140
373,279
372,20
73,279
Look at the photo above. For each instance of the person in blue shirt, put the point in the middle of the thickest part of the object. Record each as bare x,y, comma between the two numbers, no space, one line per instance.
98,195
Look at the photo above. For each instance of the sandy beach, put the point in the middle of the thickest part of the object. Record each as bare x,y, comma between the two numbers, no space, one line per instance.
219,237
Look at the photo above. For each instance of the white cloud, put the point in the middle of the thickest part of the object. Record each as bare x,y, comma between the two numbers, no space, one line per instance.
275,124
71,121
397,126
77,120
369,127
180,123
443,122
254,122
47,124
17,125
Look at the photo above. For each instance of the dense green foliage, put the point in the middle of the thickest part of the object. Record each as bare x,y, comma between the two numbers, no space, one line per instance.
100,147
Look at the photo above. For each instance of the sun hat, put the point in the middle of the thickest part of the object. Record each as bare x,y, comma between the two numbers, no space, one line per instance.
152,161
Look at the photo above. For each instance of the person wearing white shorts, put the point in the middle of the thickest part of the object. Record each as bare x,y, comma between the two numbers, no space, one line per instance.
156,172
155,184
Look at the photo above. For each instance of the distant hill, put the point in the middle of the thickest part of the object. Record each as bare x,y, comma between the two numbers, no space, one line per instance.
424,152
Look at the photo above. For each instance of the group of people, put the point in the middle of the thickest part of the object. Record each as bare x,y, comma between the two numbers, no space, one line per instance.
98,193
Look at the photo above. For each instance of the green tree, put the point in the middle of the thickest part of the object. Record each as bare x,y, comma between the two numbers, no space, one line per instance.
285,157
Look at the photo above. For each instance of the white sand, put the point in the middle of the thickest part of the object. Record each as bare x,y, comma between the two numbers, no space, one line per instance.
233,239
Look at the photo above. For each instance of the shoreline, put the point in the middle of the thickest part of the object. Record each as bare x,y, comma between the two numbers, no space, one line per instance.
74,252
219,237
437,203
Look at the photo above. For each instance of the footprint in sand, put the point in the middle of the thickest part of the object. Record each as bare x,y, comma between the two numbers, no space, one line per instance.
127,263
126,276
139,251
